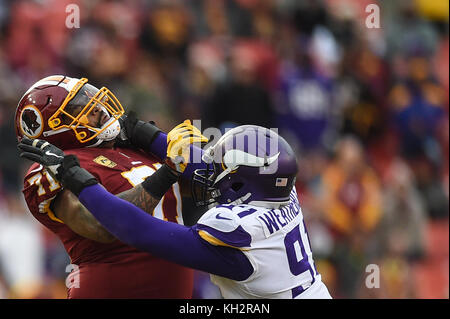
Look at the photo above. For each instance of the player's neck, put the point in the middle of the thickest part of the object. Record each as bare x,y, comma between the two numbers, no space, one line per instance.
108,144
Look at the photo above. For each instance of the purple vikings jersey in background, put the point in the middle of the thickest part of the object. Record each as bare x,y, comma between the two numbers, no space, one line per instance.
305,106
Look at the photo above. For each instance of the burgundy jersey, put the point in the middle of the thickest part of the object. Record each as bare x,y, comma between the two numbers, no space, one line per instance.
113,270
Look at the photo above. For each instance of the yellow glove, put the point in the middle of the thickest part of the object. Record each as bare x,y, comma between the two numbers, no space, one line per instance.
179,141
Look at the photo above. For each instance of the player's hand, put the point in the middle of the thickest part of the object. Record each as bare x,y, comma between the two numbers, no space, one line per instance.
127,123
43,153
65,168
134,132
179,140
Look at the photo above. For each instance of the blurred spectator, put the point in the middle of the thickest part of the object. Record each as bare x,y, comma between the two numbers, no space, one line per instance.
166,30
308,184
360,94
352,208
404,220
10,84
21,249
395,276
408,32
241,99
37,37
145,92
351,191
430,187
305,100
417,104
10,174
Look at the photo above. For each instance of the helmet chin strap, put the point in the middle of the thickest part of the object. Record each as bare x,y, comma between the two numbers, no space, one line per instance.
97,143
266,204
110,133
241,200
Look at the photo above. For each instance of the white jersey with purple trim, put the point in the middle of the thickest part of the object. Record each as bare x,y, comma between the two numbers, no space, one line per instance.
276,243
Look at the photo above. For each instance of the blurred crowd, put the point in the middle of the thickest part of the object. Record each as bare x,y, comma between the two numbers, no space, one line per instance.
366,110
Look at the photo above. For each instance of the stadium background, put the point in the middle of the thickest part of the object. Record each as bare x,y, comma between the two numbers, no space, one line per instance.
365,108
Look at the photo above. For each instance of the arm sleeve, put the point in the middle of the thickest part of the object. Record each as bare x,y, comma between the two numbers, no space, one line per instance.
159,149
171,241
159,146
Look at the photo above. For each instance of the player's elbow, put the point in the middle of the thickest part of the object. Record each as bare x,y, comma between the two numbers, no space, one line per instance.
102,236
83,223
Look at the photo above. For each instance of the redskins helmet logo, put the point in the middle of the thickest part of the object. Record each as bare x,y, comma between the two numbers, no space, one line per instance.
31,122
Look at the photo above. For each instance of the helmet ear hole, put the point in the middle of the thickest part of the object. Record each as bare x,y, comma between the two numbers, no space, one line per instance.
237,186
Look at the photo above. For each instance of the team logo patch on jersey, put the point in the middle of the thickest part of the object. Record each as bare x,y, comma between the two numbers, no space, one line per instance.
31,122
102,160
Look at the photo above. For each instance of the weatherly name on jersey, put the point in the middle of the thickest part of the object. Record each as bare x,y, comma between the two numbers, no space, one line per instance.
276,219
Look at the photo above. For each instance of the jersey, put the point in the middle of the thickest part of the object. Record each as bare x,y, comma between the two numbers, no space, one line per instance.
276,243
113,270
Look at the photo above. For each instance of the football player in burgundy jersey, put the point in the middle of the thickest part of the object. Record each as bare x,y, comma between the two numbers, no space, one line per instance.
83,120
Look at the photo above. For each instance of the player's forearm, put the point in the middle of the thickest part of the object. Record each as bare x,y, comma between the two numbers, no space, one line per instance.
67,208
176,243
159,146
148,194
140,198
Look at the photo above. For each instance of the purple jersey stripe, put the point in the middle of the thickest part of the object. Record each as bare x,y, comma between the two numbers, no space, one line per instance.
236,238
297,291
246,212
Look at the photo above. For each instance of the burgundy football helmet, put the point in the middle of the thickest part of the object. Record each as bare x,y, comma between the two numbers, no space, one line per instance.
248,165
55,109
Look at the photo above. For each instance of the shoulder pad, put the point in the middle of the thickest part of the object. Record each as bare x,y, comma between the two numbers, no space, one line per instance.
221,218
40,188
223,224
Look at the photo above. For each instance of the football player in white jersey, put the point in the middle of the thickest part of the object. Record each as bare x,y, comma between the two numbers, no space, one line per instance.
253,241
